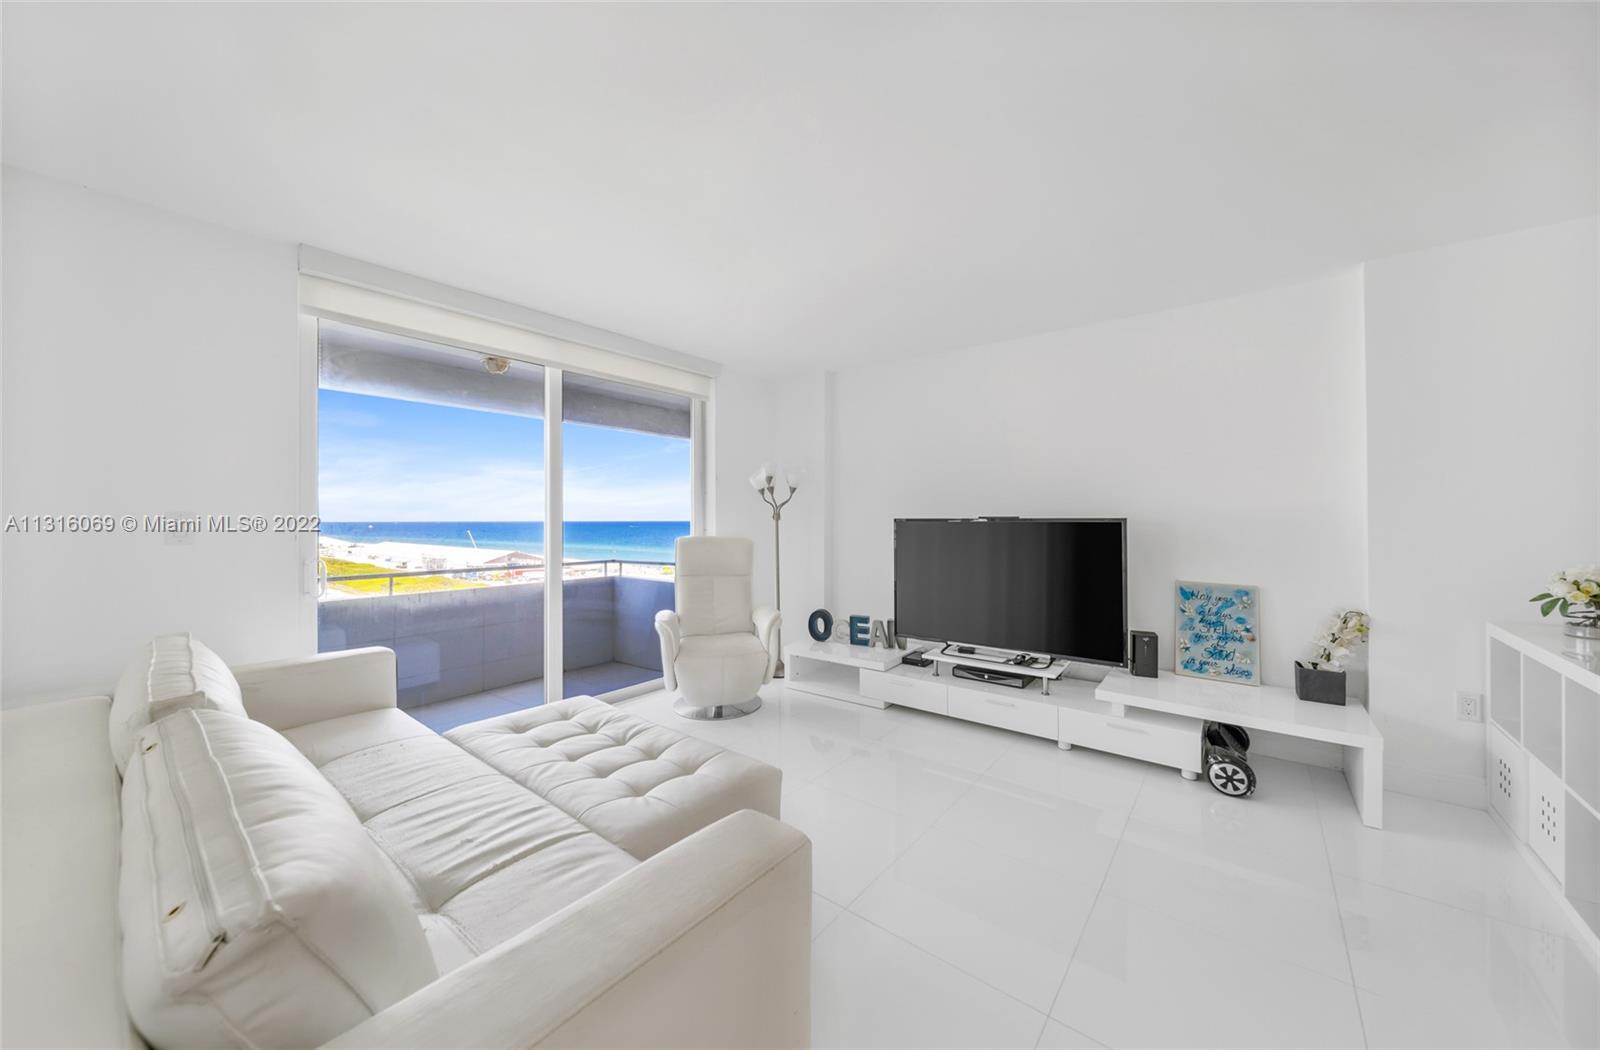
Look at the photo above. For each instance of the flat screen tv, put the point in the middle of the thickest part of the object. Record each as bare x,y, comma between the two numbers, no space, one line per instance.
1045,586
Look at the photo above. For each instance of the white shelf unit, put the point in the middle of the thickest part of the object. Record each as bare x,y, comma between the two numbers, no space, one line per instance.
1544,755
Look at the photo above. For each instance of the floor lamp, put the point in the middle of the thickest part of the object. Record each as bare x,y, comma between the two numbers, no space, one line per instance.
776,489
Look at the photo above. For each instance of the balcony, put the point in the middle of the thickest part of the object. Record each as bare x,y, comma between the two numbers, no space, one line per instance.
474,652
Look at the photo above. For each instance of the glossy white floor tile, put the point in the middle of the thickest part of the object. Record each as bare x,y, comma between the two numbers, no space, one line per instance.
898,780
968,882
823,912
1141,978
1449,854
1254,901
1012,823
869,988
1058,1036
1433,974
852,841
1012,925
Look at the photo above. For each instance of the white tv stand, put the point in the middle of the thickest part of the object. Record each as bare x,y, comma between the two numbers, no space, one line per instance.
1154,719
1069,713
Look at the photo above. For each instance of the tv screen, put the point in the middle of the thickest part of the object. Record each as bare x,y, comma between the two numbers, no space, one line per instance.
1052,586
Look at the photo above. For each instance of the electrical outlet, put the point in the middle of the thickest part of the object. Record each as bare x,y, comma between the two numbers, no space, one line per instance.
1469,707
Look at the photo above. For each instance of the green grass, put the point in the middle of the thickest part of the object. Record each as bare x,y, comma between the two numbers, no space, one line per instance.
402,585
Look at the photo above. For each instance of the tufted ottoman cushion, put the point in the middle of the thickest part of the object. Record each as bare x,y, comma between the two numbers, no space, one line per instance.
637,784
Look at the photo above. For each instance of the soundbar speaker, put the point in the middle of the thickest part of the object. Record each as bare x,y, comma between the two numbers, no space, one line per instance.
1143,662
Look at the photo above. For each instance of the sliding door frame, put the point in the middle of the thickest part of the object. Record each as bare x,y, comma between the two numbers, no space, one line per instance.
554,539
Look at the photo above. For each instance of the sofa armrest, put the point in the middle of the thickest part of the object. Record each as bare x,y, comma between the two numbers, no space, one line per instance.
725,913
288,693
767,621
670,628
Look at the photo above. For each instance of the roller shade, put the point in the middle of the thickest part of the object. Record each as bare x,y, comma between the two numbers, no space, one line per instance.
417,320
359,360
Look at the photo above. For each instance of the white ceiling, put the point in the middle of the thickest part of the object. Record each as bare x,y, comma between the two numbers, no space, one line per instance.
787,186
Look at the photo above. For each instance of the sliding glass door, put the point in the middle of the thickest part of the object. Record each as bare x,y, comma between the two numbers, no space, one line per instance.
431,492
437,472
626,497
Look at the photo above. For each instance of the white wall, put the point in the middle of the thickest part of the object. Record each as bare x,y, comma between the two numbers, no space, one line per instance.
803,447
1230,434
743,436
150,368
1482,376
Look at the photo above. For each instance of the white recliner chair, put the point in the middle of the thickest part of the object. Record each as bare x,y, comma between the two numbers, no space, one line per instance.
716,650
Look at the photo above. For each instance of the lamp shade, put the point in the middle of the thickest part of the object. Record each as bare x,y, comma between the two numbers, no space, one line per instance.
761,480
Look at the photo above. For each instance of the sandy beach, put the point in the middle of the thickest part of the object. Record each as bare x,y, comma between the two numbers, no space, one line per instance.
391,554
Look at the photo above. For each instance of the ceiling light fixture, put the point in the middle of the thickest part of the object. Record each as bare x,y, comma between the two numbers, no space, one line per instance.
497,365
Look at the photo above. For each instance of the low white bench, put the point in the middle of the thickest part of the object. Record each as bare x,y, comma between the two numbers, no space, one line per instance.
1271,709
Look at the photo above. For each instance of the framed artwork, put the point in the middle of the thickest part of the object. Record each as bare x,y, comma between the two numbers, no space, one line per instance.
1218,632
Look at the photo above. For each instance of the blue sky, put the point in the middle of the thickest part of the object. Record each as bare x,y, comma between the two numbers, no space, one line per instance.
388,460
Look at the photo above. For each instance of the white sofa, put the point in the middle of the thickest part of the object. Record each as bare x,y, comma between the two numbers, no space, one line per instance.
578,877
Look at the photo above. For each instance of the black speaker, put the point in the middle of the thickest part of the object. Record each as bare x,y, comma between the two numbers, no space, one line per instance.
1143,662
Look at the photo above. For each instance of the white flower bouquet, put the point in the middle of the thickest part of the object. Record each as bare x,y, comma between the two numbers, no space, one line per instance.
1575,594
1333,645
1321,678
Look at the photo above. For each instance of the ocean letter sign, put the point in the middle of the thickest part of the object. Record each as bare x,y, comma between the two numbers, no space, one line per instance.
858,630
820,625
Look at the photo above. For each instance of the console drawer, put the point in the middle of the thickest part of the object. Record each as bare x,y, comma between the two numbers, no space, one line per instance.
1152,736
908,690
1024,714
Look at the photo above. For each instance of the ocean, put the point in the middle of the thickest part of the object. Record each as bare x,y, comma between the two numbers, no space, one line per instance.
629,540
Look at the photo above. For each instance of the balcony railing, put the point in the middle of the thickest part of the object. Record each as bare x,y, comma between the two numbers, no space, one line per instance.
458,641
525,572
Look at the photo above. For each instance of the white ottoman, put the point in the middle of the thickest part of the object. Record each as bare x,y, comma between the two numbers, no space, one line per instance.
637,784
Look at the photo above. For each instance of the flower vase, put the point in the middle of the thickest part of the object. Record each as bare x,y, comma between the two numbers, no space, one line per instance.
1318,685
1585,644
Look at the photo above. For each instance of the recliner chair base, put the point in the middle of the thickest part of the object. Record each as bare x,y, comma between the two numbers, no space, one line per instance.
683,707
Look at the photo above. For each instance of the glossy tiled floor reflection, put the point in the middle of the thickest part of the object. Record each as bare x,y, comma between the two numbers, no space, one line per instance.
980,888
444,715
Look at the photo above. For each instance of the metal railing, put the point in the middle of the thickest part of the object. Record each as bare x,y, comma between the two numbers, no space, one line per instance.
477,570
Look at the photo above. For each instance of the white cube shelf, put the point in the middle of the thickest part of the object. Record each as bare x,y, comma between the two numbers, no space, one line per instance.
1508,775
1547,825
1505,688
1543,755
1582,877
1541,713
1582,742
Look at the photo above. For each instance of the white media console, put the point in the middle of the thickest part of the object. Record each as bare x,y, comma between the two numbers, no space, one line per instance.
1157,720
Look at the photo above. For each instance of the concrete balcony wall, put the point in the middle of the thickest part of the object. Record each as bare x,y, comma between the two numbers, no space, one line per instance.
456,643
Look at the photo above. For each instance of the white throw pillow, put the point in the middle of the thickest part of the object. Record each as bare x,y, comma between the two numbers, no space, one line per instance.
170,673
256,911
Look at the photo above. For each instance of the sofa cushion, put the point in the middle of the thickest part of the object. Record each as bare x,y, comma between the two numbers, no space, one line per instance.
170,672
484,857
720,668
640,785
255,910
322,742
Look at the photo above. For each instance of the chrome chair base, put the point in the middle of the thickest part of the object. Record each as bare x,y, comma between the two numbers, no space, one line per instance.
683,707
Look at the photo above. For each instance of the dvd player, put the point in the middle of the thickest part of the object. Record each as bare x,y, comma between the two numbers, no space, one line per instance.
993,676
